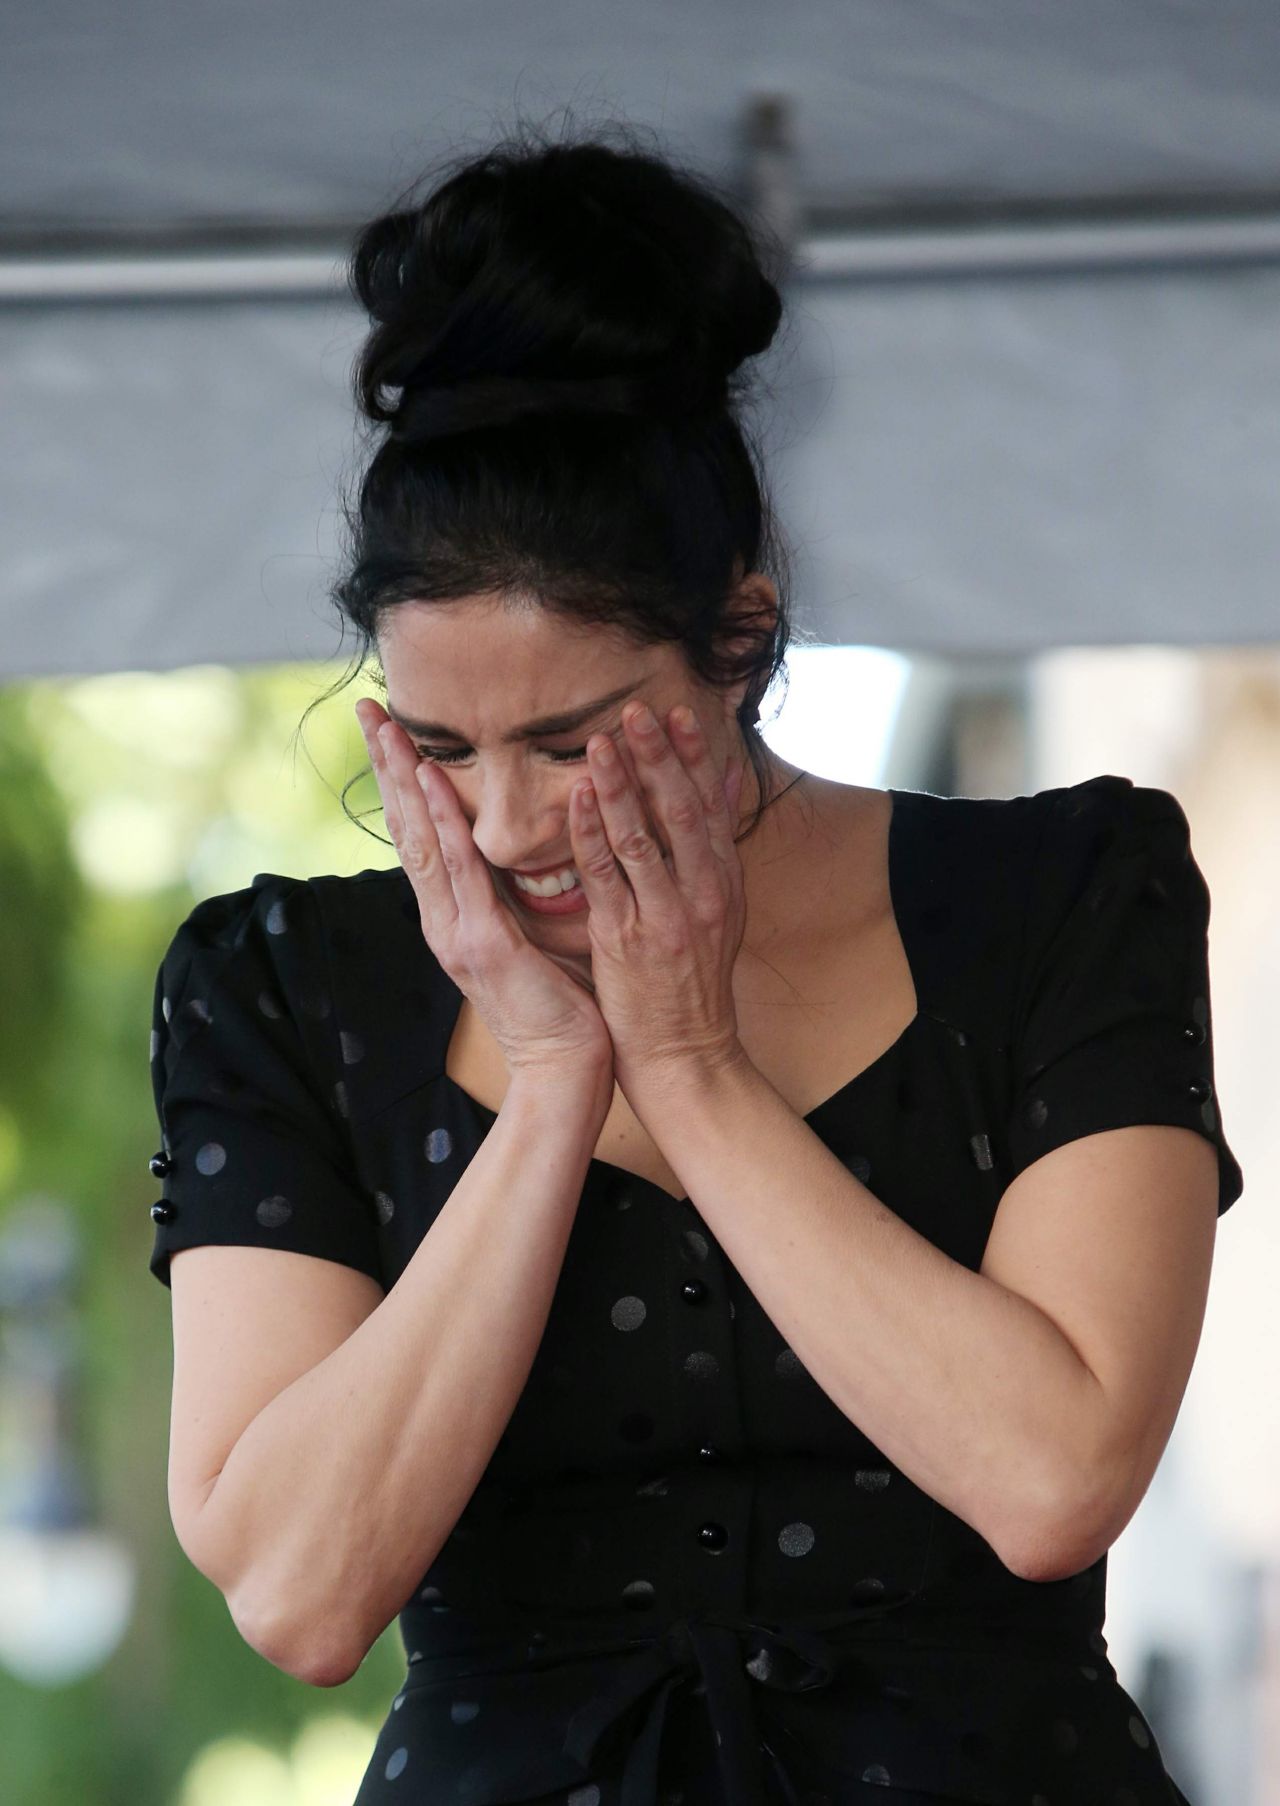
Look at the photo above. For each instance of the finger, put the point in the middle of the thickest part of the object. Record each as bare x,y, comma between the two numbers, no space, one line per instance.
631,840
676,798
413,830
718,790
369,725
602,878
474,885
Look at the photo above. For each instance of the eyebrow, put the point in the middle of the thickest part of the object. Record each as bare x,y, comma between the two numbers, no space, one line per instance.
546,724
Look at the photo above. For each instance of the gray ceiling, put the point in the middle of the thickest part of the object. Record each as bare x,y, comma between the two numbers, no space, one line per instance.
977,460
155,111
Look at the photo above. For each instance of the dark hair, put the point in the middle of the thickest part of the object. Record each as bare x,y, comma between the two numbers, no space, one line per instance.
563,325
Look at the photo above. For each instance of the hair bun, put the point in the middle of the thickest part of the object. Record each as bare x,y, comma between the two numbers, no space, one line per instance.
619,294
573,277
432,411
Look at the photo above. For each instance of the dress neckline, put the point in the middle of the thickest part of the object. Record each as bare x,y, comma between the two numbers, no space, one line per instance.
893,863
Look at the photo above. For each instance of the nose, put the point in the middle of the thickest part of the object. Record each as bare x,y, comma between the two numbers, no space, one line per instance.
520,825
523,823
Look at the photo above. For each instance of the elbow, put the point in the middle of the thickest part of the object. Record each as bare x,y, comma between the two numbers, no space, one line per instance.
1064,1532
308,1653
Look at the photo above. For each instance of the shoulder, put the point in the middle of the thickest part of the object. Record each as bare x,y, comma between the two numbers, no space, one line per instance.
284,929
1057,835
987,890
279,904
1106,843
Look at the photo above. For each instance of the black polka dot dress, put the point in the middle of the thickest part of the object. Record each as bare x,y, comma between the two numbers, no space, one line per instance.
685,1575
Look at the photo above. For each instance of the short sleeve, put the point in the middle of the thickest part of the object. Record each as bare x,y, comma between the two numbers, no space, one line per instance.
1113,1026
248,1093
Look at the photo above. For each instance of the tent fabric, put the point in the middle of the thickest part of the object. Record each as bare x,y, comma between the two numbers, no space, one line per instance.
980,464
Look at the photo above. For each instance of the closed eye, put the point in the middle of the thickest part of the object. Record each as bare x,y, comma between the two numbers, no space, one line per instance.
442,755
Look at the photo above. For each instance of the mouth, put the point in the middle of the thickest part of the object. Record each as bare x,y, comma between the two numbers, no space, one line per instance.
559,903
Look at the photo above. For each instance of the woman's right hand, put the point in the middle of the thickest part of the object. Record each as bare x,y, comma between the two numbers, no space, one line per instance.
542,1016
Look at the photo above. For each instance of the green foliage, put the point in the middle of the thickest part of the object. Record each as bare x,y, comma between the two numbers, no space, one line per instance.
129,797
42,898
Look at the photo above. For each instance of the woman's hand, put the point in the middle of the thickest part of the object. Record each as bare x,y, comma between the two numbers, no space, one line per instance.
665,932
542,1017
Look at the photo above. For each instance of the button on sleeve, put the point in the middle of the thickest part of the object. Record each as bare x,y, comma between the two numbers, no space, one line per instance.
1113,1026
253,1149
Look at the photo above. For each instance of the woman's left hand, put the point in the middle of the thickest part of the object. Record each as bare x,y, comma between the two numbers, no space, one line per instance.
665,930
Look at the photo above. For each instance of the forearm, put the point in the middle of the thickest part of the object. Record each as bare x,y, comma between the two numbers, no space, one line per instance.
965,1385
340,1493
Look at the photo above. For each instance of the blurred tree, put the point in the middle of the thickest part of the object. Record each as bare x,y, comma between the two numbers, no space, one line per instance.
42,900
132,796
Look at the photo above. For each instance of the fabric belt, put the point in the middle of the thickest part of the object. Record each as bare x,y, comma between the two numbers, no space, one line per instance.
724,1651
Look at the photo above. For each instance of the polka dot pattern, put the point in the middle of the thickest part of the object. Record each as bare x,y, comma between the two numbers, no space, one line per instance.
211,1158
628,1313
671,1459
695,1243
796,1539
1115,1028
872,1479
438,1146
242,1031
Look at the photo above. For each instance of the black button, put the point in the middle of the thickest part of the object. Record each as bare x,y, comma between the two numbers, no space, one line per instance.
709,1452
712,1535
159,1164
694,1290
1194,1032
163,1212
1200,1089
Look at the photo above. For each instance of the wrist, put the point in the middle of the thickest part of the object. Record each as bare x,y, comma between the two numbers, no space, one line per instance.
705,1071
568,1086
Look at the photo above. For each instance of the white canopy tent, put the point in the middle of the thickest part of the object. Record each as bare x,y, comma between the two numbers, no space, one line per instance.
1029,395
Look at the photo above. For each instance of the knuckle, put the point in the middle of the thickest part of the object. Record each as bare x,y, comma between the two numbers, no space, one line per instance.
469,952
600,862
685,811
636,844
708,909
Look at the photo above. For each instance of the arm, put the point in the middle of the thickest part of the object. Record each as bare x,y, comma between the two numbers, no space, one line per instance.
967,1383
339,1494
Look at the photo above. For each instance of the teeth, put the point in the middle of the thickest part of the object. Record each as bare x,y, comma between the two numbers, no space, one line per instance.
550,886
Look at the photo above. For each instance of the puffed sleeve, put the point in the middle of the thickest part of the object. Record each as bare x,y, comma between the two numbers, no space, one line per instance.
1113,1025
248,1091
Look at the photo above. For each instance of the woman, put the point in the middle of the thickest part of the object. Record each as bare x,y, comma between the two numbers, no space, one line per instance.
726,1300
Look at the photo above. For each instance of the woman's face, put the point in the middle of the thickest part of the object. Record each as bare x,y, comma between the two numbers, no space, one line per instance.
477,685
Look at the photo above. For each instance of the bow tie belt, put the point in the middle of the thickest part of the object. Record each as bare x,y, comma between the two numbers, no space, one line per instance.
723,1651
